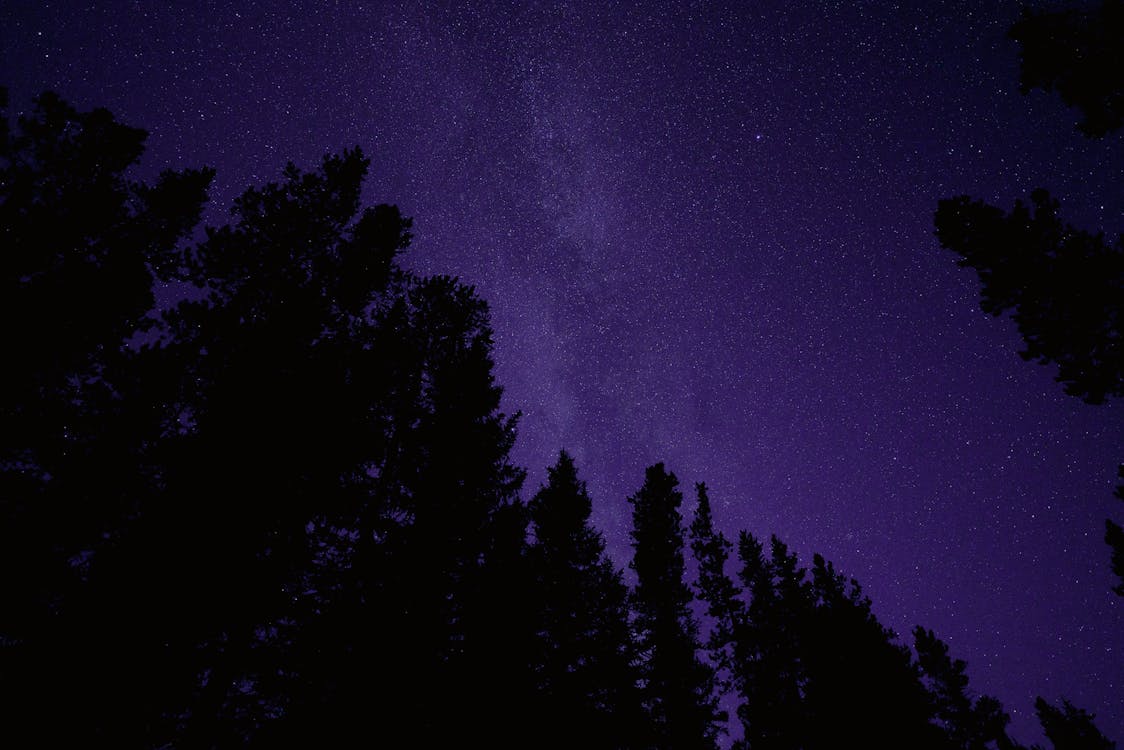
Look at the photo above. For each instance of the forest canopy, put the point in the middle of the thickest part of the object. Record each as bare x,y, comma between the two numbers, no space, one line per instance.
284,513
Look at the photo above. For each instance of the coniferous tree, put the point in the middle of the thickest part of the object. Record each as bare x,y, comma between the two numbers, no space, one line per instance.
287,517
768,671
966,724
584,656
279,428
813,668
293,511
1077,52
83,245
1070,728
677,687
711,550
1063,285
862,687
388,447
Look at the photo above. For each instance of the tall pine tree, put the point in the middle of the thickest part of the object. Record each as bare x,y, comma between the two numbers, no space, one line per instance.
584,656
966,723
678,688
82,426
711,550
1070,728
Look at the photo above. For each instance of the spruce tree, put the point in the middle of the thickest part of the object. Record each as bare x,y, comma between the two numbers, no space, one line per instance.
677,687
584,657
711,550
1070,728
814,668
966,723
1063,285
371,506
82,425
284,514
862,686
768,671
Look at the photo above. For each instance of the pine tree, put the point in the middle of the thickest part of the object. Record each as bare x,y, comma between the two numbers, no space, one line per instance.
83,245
586,678
1063,285
966,724
1076,52
1070,728
812,665
288,511
711,550
376,510
862,687
768,671
678,688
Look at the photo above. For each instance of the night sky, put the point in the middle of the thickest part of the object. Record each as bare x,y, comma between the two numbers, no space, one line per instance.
706,235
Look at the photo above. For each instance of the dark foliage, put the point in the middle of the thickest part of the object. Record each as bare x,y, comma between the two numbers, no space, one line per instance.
1064,286
1070,728
677,687
814,668
711,550
82,248
966,724
284,514
584,658
1080,54
1114,538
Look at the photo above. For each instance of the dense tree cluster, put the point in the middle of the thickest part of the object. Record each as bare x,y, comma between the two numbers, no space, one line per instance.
282,513
1063,286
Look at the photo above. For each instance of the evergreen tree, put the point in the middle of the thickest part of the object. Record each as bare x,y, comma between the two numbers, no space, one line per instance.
371,501
966,724
290,514
1077,52
584,660
1064,286
768,671
813,667
711,551
83,245
862,687
1070,728
677,687
278,430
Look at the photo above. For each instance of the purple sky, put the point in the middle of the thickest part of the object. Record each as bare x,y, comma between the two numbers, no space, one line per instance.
706,236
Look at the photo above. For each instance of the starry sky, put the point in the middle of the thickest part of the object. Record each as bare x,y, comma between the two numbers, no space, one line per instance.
705,233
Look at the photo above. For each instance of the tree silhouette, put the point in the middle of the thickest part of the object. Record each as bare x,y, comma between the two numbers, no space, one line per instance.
711,551
1078,53
768,672
584,660
855,668
291,510
1114,537
283,513
280,427
967,724
355,406
677,687
1064,286
83,245
1070,728
812,665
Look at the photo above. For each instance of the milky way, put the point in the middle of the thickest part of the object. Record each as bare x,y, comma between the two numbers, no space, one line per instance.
706,237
